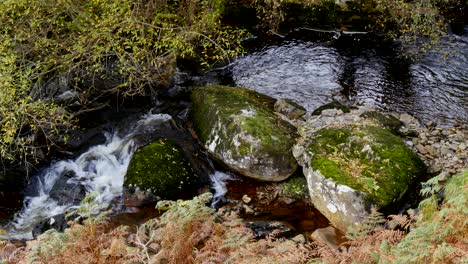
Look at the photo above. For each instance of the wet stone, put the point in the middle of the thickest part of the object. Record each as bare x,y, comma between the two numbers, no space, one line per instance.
289,108
262,229
246,199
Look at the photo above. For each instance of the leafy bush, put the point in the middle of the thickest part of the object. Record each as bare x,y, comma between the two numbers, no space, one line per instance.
417,23
440,233
133,43
414,22
26,125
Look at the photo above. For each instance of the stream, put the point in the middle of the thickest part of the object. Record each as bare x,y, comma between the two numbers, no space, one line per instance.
361,71
347,68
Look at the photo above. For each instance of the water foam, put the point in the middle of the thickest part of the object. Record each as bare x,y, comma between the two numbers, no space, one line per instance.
100,171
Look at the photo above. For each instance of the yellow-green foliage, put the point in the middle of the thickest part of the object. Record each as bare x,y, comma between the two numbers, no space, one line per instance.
23,120
408,20
412,20
136,41
441,234
295,188
438,233
59,36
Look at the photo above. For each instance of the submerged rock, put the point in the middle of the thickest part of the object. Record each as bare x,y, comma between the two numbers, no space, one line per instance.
160,168
240,128
12,178
262,229
387,121
333,105
353,166
290,109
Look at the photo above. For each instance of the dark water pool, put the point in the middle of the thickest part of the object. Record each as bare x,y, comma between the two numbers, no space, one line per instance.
352,68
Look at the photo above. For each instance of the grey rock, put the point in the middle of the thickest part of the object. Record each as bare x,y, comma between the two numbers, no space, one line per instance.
239,128
300,239
462,146
422,149
444,150
330,112
338,195
430,124
431,150
328,236
453,147
262,229
246,199
423,137
289,108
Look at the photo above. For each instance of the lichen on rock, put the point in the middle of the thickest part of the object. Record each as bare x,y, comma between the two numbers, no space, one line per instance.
160,168
239,127
354,163
371,160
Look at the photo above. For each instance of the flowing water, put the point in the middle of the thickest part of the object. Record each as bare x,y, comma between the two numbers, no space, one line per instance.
434,87
97,173
349,68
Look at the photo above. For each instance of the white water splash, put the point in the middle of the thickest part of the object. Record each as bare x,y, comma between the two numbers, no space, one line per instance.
100,170
218,180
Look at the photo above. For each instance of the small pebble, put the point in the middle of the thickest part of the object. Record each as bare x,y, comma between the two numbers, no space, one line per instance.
300,239
246,199
248,210
421,149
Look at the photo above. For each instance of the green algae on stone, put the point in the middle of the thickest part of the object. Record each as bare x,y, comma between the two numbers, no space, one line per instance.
333,105
160,167
239,127
370,160
384,120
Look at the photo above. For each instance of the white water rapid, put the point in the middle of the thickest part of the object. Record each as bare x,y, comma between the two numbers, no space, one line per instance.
218,182
100,171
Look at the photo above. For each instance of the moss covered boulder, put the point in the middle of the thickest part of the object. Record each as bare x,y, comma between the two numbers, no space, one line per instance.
354,165
240,128
161,168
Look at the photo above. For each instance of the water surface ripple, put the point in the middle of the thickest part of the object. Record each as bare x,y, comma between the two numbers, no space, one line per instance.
432,87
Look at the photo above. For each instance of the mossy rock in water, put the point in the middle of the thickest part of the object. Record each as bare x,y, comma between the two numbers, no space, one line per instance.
350,170
290,109
160,167
239,127
333,105
384,120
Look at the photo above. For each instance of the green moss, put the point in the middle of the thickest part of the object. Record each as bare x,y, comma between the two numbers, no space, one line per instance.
244,121
371,160
387,121
295,188
213,102
160,167
332,105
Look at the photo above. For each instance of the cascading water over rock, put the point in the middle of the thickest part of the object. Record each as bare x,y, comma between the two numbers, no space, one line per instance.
98,172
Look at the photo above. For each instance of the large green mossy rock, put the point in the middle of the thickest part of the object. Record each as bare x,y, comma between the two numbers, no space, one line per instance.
239,127
160,168
351,169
